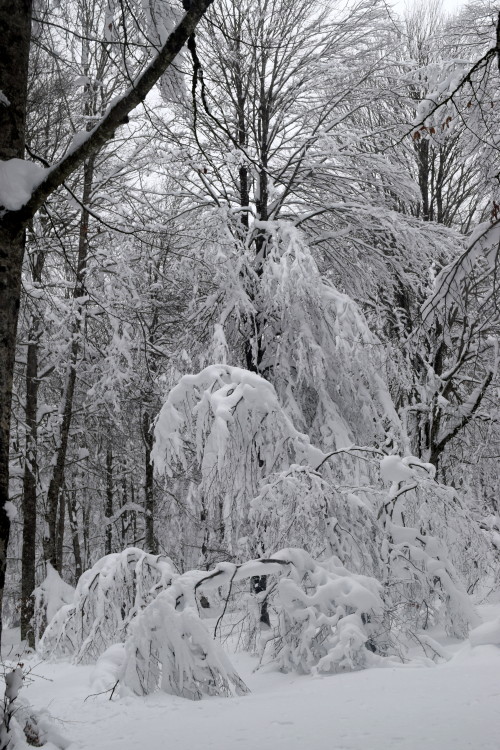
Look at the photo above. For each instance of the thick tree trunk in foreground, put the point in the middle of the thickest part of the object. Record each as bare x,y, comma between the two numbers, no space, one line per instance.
15,32
11,254
28,553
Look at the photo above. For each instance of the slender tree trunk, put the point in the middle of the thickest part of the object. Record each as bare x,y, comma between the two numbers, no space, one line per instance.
108,512
150,544
85,532
423,176
57,479
255,355
61,517
75,539
15,30
28,554
124,516
133,515
29,488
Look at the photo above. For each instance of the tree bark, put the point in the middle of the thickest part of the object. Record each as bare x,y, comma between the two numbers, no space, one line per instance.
108,512
28,554
15,31
73,524
60,529
150,543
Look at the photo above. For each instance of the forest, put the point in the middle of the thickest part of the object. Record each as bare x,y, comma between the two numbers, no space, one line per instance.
249,367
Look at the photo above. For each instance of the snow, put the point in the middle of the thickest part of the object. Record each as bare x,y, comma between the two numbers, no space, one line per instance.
53,592
18,179
392,469
453,706
486,634
11,510
13,683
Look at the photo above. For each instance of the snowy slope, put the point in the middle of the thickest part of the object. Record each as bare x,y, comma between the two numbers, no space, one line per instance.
455,706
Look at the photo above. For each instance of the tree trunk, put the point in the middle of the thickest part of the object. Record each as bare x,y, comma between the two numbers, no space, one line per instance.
60,529
422,149
29,489
15,29
57,479
150,544
28,554
124,500
108,512
73,524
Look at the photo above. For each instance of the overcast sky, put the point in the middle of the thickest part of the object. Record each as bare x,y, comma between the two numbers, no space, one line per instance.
448,5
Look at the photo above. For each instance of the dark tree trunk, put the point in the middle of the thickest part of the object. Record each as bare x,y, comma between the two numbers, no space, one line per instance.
150,544
28,554
108,511
422,148
57,480
133,515
15,32
124,500
29,489
61,516
75,539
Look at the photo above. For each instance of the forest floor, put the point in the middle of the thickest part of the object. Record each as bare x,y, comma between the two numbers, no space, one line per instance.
452,706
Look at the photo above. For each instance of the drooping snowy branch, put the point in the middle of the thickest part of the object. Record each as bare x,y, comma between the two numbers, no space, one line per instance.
107,598
224,429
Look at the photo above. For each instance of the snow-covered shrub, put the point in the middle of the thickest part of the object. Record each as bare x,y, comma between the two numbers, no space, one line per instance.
36,728
21,727
13,683
52,594
108,668
107,598
171,650
224,430
422,528
326,617
300,507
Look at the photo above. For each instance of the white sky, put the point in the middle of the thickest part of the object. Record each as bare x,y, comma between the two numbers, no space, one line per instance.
448,5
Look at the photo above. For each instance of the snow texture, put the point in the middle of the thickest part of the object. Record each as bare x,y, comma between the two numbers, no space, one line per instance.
452,706
18,179
106,599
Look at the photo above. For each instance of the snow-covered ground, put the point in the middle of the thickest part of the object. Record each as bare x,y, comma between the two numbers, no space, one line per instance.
453,706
